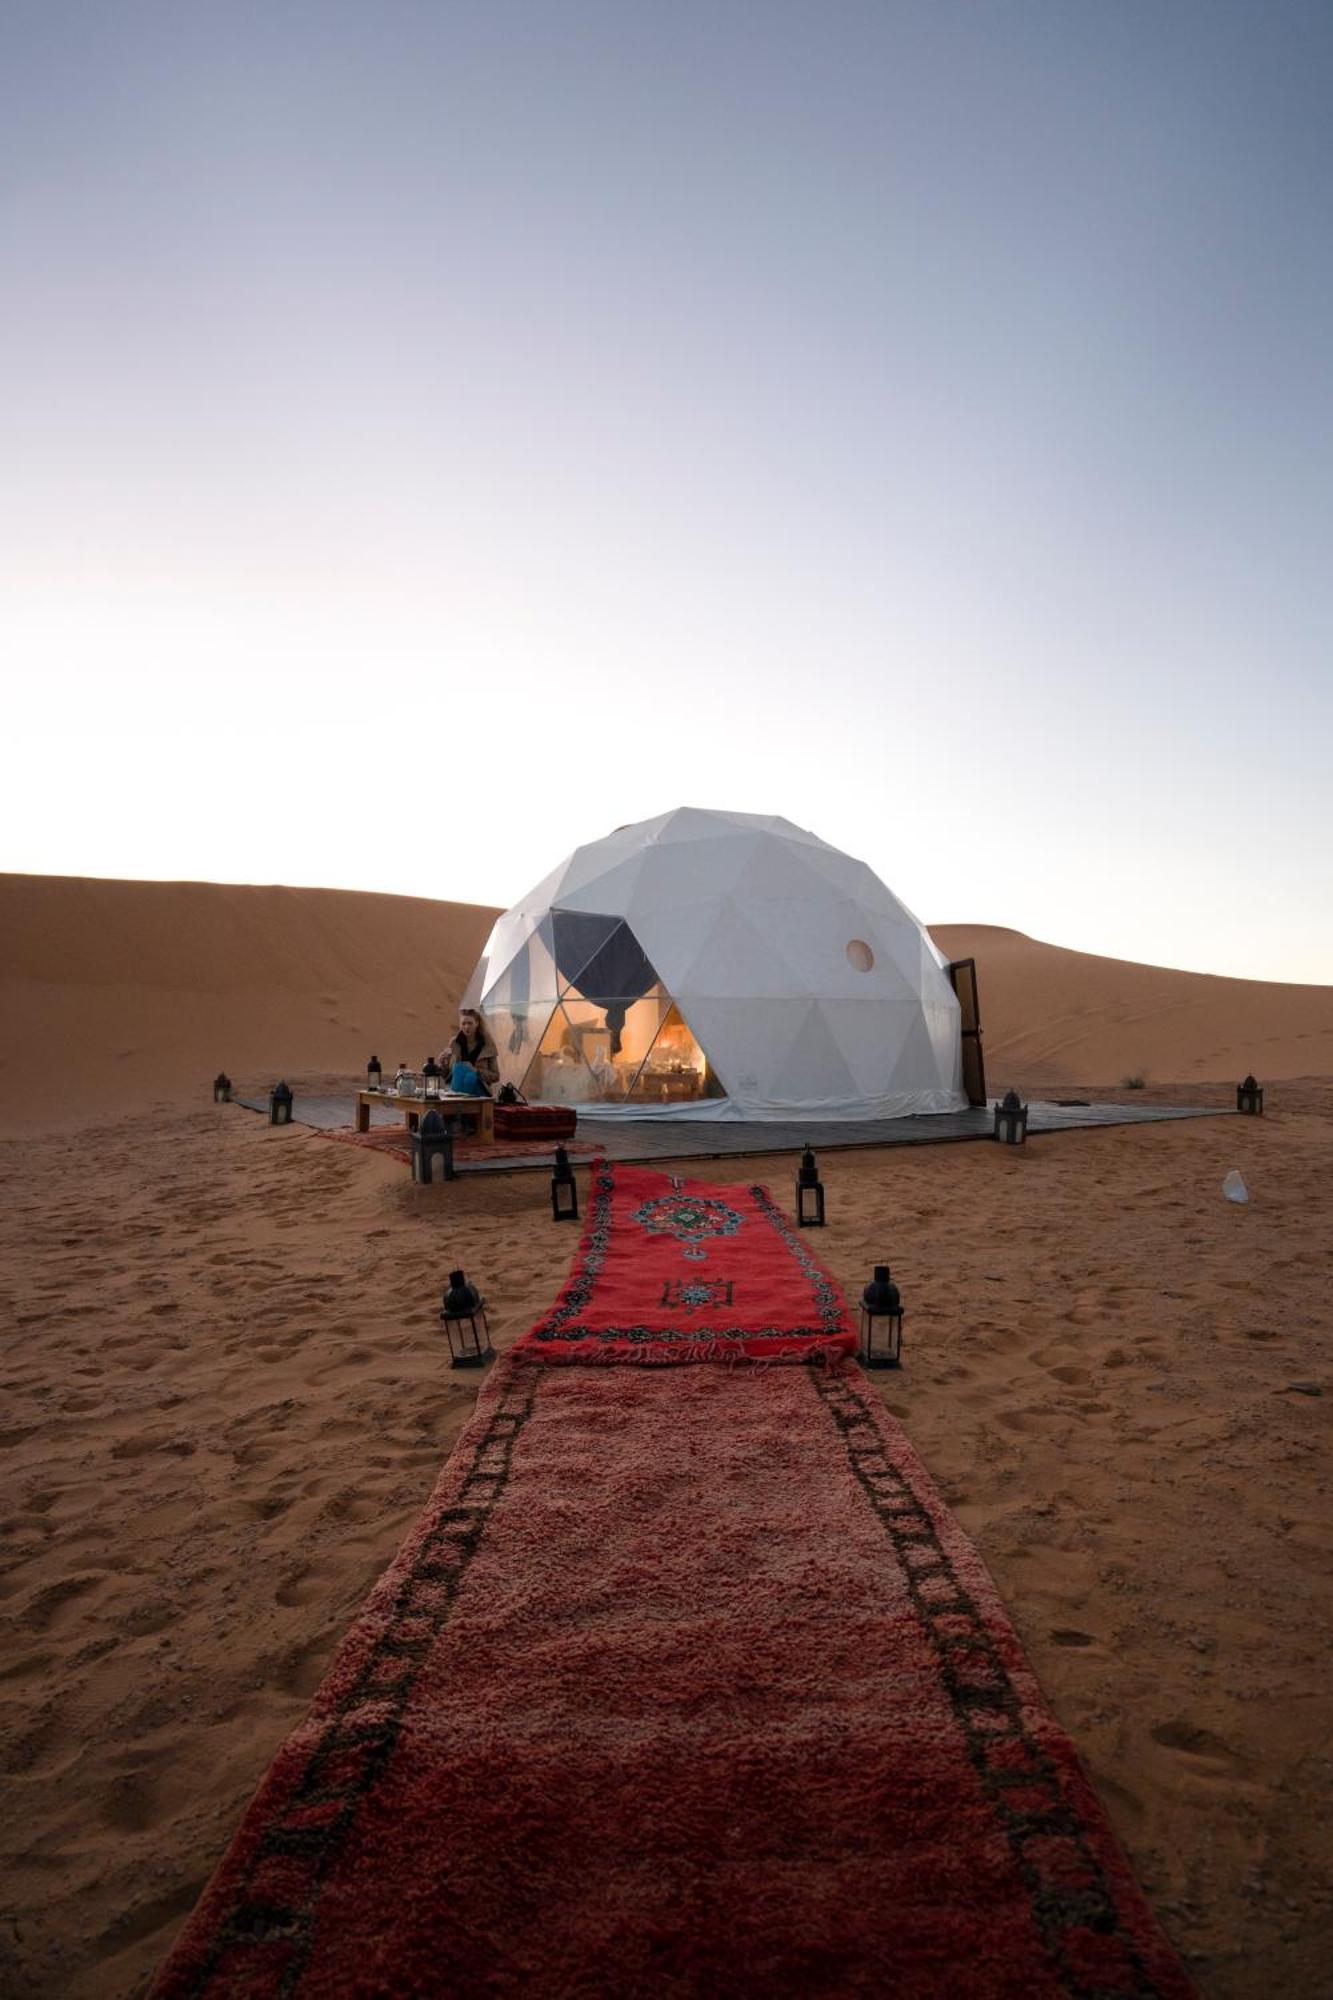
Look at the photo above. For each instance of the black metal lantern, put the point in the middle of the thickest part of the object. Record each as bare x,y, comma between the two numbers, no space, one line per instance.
432,1079
222,1088
564,1189
432,1149
1011,1120
809,1194
280,1104
464,1318
880,1342
1250,1098
374,1074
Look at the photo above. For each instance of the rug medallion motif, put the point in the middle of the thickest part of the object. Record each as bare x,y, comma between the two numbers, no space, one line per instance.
761,1294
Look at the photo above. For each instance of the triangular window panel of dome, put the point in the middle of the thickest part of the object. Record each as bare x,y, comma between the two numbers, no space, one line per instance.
518,1006
675,1069
559,1072
600,958
518,1032
574,937
527,980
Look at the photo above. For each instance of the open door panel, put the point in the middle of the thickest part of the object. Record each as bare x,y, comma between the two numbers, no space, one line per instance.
963,977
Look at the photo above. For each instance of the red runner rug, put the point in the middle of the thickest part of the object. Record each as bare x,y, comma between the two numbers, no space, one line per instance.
686,1683
672,1269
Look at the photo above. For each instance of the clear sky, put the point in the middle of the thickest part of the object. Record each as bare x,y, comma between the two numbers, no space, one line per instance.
914,419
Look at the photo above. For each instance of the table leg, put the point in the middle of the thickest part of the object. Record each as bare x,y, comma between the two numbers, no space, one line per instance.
362,1115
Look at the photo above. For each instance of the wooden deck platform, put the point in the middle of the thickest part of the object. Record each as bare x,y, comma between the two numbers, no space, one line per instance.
689,1139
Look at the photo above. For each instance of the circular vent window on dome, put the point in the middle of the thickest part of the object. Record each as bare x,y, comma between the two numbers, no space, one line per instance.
860,955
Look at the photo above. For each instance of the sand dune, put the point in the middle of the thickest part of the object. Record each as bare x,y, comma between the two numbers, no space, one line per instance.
1056,1016
120,995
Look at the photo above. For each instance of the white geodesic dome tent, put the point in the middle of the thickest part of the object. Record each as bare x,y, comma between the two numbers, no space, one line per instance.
720,965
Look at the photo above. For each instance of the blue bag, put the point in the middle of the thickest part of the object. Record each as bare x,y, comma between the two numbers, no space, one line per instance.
464,1079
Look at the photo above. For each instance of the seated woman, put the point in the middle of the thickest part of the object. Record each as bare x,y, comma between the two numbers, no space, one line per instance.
474,1047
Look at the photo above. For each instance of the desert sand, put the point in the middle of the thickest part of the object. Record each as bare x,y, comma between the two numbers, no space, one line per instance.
223,1396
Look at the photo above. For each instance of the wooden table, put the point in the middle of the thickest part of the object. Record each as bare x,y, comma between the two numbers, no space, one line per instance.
453,1105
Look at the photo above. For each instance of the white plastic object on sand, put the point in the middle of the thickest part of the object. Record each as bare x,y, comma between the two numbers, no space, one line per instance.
1234,1188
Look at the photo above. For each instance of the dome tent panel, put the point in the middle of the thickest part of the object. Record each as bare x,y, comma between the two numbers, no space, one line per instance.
664,877
871,1036
575,886
779,872
813,1065
915,1052
732,960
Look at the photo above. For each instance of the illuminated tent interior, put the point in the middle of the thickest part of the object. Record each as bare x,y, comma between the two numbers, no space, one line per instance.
719,965
580,1016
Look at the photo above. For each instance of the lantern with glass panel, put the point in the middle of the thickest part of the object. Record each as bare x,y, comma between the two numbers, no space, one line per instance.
464,1316
1249,1098
432,1150
880,1333
1011,1120
564,1189
809,1193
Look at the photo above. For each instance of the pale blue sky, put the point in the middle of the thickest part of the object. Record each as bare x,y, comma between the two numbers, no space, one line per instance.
913,419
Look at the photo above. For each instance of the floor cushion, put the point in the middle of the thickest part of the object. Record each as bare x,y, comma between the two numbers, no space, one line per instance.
551,1122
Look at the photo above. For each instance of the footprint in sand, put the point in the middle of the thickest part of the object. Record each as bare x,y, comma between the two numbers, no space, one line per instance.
1199,1750
159,1912
129,1803
48,1604
301,1670
298,1588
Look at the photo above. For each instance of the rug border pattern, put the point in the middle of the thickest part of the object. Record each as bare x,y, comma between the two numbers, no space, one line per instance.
1026,1789
358,1735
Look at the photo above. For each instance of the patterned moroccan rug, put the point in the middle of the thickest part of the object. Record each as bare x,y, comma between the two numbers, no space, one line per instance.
686,1683
672,1269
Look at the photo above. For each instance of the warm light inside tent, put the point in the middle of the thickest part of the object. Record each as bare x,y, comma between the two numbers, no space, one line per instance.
636,1052
580,1016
